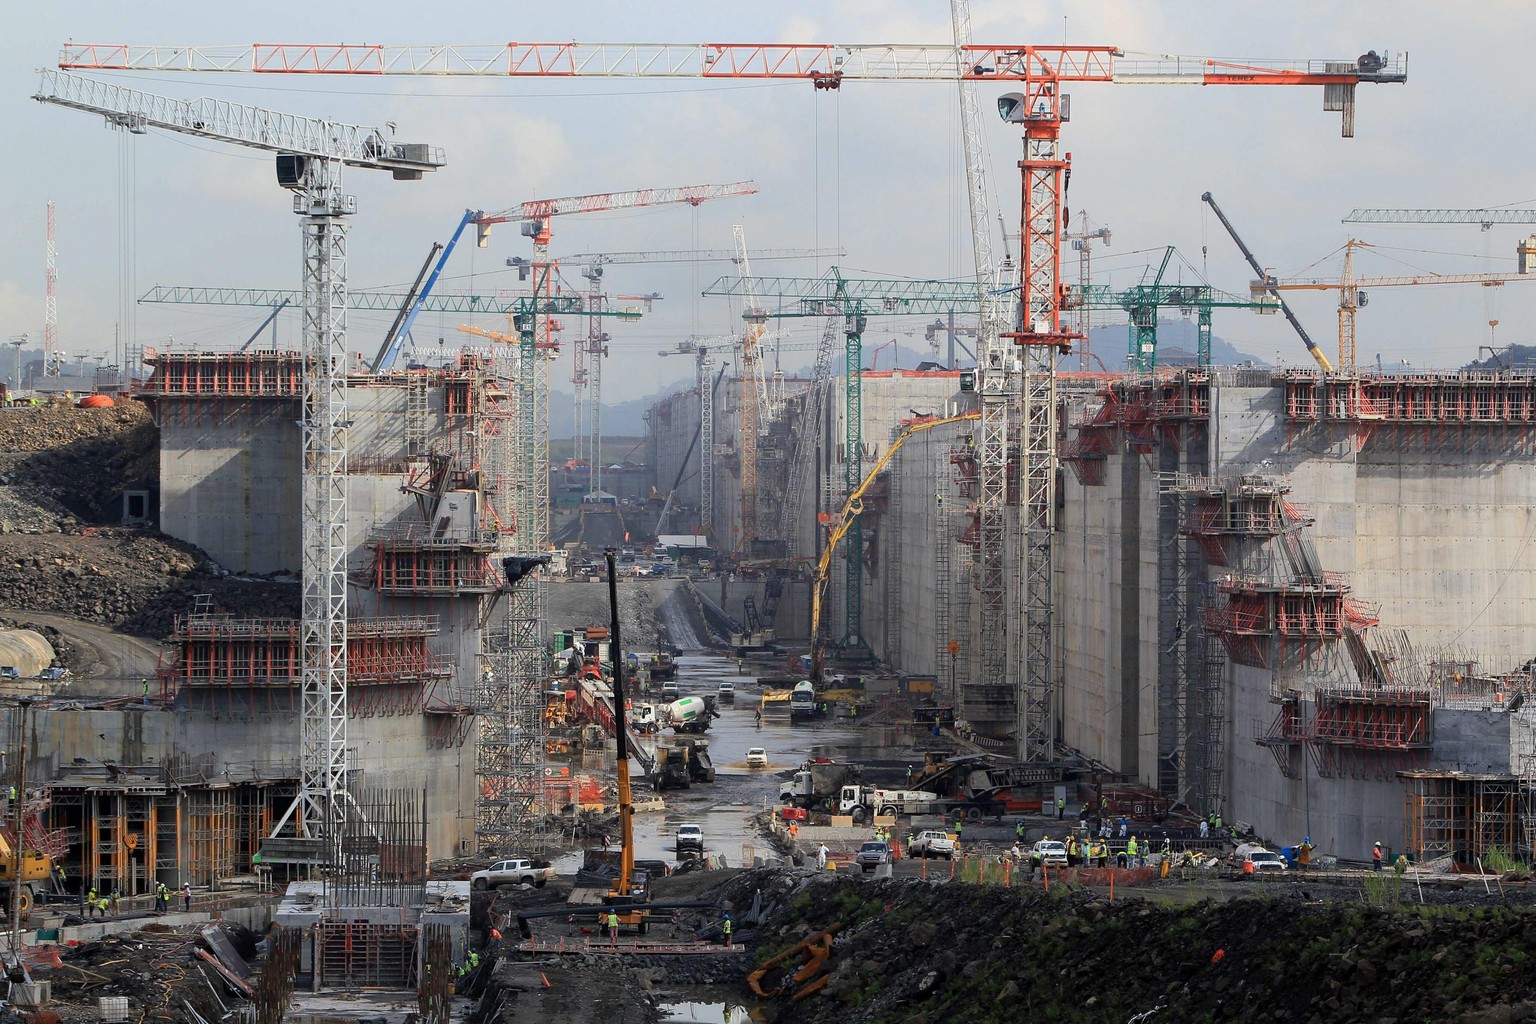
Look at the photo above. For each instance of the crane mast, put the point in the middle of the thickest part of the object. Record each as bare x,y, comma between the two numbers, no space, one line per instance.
310,156
754,394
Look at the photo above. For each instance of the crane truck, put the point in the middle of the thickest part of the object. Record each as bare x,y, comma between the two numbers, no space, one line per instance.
628,895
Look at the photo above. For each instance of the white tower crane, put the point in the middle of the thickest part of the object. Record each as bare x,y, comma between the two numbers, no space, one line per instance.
311,153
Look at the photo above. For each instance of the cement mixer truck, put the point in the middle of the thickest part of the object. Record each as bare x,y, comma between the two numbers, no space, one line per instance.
688,714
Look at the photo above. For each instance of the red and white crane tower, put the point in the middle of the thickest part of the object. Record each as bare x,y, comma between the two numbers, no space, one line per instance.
1040,108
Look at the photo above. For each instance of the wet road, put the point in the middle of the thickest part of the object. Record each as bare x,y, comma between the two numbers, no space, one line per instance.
724,806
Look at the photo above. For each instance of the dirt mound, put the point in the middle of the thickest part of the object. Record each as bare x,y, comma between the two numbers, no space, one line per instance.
133,579
920,954
59,464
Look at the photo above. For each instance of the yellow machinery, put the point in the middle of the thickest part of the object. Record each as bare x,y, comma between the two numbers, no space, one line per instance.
852,508
36,868
626,897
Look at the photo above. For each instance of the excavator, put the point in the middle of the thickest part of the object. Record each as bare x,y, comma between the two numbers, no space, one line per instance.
852,509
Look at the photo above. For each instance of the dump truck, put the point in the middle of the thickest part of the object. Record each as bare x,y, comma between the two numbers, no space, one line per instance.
817,784
696,756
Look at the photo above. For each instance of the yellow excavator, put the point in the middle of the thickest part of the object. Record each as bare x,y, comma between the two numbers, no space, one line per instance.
627,896
852,509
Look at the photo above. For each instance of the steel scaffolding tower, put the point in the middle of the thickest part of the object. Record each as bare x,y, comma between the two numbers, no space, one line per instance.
311,154
706,384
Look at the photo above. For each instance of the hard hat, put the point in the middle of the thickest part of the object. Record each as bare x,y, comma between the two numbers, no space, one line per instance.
727,917
1378,842
1307,840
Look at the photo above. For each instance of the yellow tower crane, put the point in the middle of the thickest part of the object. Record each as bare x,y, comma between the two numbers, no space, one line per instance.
1352,298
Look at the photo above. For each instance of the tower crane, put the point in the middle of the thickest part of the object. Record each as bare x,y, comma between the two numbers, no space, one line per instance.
1484,219
999,386
1352,296
537,218
510,758
852,301
588,383
310,155
1082,241
1040,108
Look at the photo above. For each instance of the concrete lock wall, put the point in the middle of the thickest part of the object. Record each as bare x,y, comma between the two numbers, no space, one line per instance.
230,483
388,751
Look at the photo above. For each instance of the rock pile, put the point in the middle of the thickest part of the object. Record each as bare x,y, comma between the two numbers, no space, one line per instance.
62,474
912,953
61,466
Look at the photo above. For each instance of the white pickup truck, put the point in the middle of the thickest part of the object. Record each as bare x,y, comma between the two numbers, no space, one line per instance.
513,872
932,843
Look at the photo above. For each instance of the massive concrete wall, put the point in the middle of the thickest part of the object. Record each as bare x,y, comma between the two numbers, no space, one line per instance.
229,482
1435,537
391,751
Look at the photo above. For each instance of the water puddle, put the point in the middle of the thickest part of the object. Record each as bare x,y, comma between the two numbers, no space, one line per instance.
708,1005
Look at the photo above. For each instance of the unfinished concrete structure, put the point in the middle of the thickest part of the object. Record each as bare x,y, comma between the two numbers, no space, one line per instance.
189,780
1298,599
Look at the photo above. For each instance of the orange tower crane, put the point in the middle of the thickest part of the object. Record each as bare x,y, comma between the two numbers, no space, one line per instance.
1040,108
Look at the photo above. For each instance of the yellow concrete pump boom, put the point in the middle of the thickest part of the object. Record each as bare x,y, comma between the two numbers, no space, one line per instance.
852,508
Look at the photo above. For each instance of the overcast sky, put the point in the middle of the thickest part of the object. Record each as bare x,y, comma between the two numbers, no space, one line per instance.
874,168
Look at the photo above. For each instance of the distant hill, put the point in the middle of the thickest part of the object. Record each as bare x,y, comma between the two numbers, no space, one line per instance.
1177,342
1514,357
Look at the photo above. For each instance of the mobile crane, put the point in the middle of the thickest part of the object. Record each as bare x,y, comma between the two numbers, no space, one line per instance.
627,898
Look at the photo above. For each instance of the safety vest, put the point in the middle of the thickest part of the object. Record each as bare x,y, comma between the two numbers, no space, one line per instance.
1130,848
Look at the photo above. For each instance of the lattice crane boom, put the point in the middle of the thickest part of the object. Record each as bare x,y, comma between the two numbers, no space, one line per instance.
311,153
543,209
1484,218
823,64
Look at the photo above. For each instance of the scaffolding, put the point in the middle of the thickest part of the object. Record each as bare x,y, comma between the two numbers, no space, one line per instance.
252,374
1463,816
1429,410
226,660
423,560
1369,734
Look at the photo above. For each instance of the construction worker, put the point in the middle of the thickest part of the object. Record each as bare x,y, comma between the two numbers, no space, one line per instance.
1167,848
89,900
1400,865
162,898
144,684
1376,856
473,960
959,827
1061,807
725,926
1304,853
821,856
112,903
741,666
1018,830
1131,853
492,940
186,895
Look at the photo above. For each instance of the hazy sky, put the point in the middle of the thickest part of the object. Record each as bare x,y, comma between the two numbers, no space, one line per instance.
874,168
